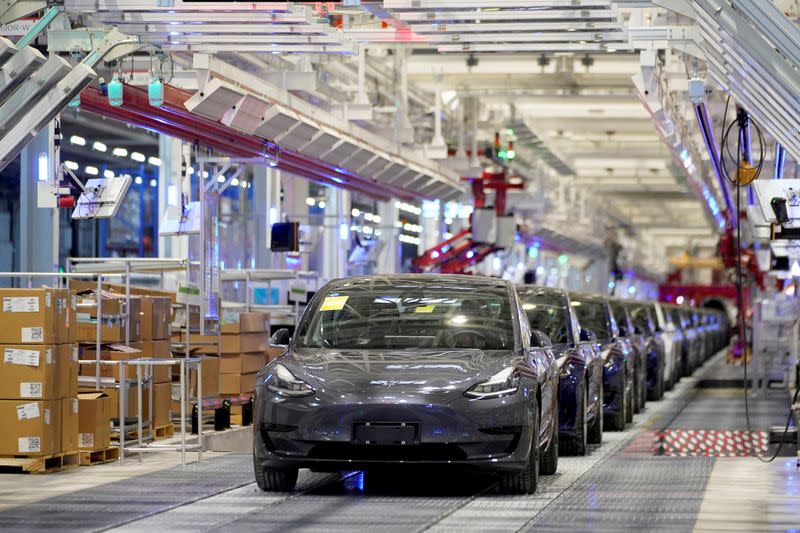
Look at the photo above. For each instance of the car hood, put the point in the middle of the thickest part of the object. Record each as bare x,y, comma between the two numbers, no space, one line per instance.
396,371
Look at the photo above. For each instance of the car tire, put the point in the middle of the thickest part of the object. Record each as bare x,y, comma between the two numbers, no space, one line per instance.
632,401
548,461
576,444
271,480
595,435
526,480
616,421
657,392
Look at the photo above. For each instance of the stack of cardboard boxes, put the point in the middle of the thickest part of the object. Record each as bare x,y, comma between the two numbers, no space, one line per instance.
38,373
148,336
242,349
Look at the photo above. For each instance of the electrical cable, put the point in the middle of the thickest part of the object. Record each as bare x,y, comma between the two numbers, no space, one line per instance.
742,326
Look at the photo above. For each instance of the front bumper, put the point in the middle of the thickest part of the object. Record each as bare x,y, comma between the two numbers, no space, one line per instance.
317,431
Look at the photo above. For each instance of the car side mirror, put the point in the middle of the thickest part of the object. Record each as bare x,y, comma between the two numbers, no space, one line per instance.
587,335
280,338
540,340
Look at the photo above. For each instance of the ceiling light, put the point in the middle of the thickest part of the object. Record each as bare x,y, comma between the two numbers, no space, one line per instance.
100,147
321,204
72,165
311,202
156,162
376,219
120,152
108,174
136,156
153,183
77,139
355,212
91,170
220,179
235,182
137,180
369,217
243,184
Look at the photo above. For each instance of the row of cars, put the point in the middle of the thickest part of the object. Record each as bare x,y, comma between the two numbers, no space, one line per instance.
464,372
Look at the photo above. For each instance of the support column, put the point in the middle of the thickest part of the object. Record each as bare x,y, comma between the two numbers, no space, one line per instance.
38,228
170,151
336,235
389,258
431,225
267,210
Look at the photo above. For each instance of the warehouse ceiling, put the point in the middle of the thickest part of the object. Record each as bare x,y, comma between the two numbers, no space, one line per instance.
554,76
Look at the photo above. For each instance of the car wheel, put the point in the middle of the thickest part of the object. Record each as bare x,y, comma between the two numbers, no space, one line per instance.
526,480
595,435
548,461
271,480
576,444
657,392
632,401
616,421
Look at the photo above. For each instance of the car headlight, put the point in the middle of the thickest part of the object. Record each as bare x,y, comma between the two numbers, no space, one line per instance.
285,383
503,383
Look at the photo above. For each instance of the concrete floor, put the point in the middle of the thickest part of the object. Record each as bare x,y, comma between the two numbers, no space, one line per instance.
621,485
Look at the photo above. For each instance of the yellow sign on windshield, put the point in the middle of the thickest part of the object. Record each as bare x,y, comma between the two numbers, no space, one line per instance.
425,309
333,303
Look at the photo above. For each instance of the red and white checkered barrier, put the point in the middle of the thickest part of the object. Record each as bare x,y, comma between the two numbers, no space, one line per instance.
711,443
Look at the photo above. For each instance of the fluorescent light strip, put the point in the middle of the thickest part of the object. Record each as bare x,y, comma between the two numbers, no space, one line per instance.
123,17
616,36
416,17
243,39
245,29
533,47
93,6
275,49
516,26
491,4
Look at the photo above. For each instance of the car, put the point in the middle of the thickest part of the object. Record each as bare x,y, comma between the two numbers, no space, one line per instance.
637,343
580,385
404,370
690,344
599,327
644,322
674,341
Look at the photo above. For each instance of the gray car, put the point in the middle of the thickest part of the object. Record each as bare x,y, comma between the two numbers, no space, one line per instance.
409,370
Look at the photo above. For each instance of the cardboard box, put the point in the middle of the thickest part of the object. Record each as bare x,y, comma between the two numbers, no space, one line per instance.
94,421
70,408
210,366
162,404
131,406
29,372
35,316
30,427
243,343
245,323
201,344
112,352
245,363
113,320
237,383
156,318
67,381
82,286
160,349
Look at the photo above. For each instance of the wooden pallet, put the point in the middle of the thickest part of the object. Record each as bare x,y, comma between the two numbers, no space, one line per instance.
98,457
40,465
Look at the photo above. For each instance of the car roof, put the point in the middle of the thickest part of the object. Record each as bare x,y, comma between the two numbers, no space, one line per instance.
587,297
532,291
424,280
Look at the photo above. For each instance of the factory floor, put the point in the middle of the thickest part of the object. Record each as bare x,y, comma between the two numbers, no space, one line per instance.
665,472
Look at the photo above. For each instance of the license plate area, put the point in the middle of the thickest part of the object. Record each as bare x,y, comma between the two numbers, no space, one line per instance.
385,433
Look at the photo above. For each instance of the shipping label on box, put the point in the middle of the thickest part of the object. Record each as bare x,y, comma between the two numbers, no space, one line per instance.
29,372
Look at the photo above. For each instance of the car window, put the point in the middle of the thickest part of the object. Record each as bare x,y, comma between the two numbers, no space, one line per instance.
622,320
550,319
594,317
641,319
386,317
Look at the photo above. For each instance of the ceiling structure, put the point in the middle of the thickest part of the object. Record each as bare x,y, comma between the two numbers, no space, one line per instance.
556,77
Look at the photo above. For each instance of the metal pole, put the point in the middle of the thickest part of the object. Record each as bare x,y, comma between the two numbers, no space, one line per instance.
98,327
199,410
139,425
127,303
780,161
707,131
123,404
183,409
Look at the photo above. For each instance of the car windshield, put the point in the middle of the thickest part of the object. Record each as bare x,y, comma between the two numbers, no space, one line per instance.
594,317
388,317
621,318
548,316
641,319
